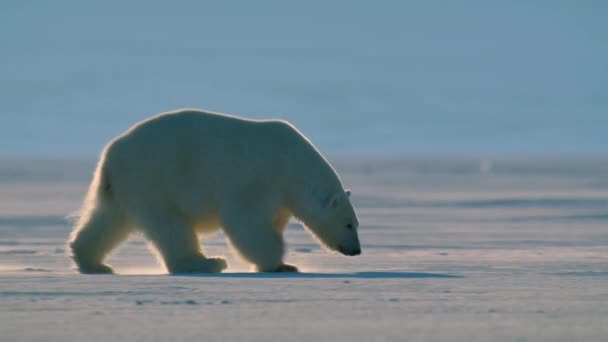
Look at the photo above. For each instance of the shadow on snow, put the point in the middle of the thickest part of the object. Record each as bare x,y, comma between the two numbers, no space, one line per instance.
357,275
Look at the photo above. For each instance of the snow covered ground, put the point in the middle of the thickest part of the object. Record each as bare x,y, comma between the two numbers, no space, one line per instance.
453,250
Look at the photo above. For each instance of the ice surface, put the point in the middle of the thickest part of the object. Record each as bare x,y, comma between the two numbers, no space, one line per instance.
452,251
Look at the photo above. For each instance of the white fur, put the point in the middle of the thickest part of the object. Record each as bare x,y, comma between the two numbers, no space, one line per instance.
188,172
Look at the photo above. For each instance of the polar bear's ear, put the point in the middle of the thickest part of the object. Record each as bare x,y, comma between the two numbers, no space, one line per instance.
347,192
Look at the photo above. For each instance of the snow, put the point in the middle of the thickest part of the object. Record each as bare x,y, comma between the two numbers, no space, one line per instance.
452,251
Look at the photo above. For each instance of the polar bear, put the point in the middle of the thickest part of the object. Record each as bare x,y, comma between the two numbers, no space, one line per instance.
189,172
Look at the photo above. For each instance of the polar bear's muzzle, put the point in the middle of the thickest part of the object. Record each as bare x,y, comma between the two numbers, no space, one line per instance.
350,248
349,251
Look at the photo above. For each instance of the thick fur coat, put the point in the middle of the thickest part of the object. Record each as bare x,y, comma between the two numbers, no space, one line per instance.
180,174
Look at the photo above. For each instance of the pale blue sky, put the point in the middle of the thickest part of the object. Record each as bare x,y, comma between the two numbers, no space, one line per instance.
390,77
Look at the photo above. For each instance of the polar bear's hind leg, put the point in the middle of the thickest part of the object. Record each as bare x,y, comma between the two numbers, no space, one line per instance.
177,245
100,230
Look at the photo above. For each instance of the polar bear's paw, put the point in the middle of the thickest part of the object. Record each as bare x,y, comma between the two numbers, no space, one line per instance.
216,265
198,264
276,269
95,269
286,268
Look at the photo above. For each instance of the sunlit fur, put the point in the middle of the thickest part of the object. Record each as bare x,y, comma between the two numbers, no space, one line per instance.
190,172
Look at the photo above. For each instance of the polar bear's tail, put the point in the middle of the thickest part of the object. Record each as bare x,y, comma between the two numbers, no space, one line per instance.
101,226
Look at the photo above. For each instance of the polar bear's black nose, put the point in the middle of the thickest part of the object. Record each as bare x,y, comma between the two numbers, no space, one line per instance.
349,252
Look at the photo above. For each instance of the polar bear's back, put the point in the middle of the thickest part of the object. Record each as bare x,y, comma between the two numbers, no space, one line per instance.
193,134
179,126
194,158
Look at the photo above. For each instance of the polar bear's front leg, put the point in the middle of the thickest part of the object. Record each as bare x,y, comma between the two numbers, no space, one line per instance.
256,239
178,246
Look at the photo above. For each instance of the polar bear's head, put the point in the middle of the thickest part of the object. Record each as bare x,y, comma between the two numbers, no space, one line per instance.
336,224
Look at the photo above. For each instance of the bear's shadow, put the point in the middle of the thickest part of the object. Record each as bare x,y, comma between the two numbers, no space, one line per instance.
356,275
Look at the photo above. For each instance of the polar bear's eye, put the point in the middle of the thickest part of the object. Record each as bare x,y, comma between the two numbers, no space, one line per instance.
349,226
